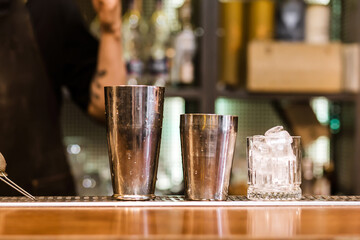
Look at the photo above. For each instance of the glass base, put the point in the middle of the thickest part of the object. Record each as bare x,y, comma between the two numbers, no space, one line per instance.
133,197
254,193
205,199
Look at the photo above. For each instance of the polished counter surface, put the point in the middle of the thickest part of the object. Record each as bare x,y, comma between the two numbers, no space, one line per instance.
256,221
172,201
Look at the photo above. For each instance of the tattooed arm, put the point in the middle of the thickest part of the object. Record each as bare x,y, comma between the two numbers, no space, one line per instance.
110,68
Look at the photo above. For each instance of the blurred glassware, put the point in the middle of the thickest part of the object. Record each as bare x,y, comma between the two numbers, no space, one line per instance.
232,42
317,21
184,46
159,37
335,21
261,19
134,28
290,17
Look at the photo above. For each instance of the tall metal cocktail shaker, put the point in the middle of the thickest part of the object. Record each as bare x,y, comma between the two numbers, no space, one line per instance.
134,122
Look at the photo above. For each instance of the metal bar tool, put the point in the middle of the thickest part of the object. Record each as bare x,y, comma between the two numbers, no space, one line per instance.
5,179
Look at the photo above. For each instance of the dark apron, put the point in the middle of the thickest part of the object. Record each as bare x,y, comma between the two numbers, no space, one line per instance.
30,137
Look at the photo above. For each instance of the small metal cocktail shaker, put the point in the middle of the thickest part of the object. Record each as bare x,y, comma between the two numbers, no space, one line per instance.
207,145
134,122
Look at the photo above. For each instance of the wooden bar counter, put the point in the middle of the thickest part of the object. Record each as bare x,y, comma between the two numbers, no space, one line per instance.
239,221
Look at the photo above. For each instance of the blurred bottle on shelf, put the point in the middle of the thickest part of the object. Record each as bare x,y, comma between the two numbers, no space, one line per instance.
133,31
184,46
290,17
159,36
335,20
349,21
317,21
261,20
232,42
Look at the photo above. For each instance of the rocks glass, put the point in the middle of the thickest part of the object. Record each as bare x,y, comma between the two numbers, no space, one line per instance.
274,170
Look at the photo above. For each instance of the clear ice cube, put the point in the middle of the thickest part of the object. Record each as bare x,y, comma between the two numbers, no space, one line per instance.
260,146
274,130
273,160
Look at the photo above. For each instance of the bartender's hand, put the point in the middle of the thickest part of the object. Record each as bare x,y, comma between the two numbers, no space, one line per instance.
110,67
109,13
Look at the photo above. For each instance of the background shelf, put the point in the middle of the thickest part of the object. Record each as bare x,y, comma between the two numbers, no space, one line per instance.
243,94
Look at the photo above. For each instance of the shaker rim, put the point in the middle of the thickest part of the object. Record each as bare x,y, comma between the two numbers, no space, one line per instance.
132,86
199,119
207,115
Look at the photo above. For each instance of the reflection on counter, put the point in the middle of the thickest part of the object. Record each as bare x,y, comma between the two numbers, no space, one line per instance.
203,222
148,222
179,223
215,222
273,222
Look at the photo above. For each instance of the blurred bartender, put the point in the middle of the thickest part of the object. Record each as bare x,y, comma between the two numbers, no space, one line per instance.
45,46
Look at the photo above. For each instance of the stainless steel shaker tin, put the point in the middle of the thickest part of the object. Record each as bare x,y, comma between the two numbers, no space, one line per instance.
134,122
208,145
